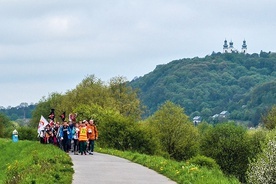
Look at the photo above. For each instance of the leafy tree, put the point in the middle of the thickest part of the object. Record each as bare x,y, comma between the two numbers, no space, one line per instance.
263,170
124,98
178,136
4,123
228,144
269,121
91,91
43,108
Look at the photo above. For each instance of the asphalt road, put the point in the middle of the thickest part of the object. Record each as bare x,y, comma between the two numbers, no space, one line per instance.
104,169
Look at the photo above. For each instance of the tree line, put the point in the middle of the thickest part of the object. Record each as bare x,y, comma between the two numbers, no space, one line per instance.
168,132
243,85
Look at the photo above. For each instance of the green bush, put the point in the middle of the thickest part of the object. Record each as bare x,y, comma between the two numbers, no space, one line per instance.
263,170
27,133
178,137
256,139
269,120
228,144
24,133
144,140
123,134
204,161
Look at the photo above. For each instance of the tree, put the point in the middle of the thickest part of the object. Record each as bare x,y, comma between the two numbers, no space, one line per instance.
125,98
228,144
4,123
44,106
269,121
263,170
177,135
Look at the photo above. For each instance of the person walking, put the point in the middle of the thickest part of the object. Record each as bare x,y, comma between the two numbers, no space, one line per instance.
76,138
66,136
92,136
83,138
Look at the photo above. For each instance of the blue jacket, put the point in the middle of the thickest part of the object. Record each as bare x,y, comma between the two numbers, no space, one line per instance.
69,132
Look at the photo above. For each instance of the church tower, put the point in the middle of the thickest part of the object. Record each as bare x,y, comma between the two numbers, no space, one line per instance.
225,46
231,47
244,47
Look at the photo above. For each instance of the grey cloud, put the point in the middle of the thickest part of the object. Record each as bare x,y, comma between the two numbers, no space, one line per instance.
112,38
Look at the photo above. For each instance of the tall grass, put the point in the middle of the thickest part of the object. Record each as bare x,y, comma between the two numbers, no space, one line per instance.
34,163
181,172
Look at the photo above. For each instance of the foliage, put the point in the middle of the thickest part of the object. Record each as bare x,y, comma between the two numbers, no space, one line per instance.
181,172
43,108
27,133
4,124
244,85
228,144
22,111
125,99
204,161
31,162
256,140
117,131
116,97
269,120
263,170
179,138
24,132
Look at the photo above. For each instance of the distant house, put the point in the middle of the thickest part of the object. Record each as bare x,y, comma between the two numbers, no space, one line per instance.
196,120
224,114
215,116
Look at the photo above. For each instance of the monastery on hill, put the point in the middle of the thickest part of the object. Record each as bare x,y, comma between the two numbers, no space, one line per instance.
231,48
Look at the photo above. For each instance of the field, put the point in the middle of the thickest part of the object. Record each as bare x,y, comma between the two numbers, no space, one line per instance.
32,162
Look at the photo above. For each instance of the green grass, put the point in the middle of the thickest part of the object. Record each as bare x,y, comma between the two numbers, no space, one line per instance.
181,172
33,163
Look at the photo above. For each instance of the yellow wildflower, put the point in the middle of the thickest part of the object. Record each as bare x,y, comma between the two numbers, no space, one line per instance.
194,169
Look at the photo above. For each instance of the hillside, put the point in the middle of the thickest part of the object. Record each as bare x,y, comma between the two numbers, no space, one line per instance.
21,113
243,85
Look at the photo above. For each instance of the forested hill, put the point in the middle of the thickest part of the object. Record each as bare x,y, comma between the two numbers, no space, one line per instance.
243,85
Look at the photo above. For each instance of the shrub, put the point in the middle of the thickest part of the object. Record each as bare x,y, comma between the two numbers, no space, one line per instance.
179,138
263,170
269,120
228,144
204,161
144,140
24,133
27,133
123,134
256,139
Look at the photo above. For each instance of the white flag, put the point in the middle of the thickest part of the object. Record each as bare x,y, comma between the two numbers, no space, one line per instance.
42,123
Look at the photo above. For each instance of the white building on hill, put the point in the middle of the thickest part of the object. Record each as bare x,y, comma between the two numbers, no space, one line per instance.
231,49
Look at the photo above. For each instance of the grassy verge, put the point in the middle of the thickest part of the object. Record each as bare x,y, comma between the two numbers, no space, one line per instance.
32,162
181,172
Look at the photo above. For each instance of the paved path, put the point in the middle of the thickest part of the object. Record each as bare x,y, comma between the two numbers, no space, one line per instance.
104,169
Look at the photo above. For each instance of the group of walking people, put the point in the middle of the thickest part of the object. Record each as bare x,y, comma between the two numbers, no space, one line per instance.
76,137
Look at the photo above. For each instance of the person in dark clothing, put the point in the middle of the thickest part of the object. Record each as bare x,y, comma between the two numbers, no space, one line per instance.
66,136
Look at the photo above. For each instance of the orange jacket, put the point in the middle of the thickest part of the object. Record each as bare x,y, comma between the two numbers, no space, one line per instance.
92,132
83,134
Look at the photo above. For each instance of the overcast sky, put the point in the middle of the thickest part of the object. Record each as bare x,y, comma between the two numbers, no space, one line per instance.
50,46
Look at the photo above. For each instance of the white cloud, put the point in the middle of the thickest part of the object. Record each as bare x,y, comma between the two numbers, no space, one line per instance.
64,41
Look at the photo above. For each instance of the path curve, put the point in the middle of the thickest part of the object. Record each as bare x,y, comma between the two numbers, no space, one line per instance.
104,169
